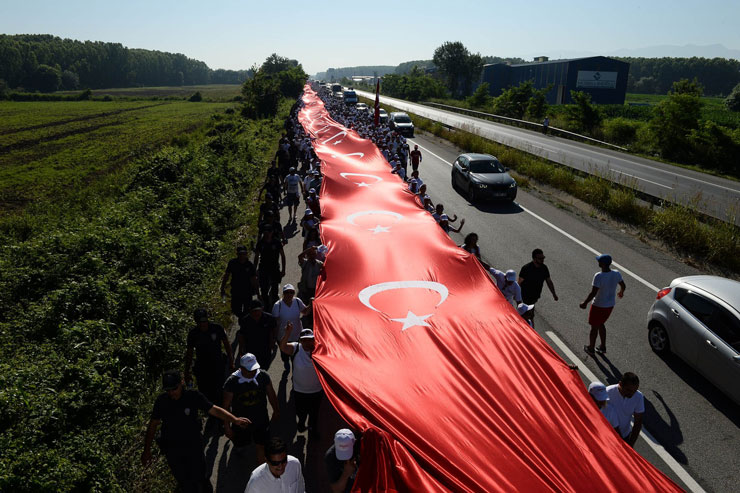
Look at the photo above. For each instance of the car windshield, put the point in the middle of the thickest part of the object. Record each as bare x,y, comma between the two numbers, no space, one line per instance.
402,119
350,93
486,167
382,112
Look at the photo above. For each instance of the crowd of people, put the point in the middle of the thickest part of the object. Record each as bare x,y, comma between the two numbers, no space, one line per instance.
233,386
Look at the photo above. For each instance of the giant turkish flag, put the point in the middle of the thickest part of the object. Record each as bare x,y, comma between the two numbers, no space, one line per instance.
417,348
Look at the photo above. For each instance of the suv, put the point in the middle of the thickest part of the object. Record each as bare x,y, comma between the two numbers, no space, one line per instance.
401,123
697,318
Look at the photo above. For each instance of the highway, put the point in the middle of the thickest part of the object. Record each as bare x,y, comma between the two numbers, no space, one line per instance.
696,424
715,196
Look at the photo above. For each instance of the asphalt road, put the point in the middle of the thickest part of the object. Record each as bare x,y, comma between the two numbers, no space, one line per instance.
715,196
696,424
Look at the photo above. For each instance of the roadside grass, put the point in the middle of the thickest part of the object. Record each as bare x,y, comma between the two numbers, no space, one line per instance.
47,148
96,292
680,227
210,92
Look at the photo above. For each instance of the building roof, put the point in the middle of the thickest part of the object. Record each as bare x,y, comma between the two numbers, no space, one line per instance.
562,60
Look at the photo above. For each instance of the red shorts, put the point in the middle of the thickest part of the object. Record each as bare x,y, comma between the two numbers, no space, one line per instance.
598,315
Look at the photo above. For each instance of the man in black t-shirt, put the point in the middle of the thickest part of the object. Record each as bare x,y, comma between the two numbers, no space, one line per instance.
257,335
246,393
269,258
206,340
181,441
243,281
532,276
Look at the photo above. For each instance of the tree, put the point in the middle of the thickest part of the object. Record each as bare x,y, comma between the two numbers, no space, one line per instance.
582,113
537,106
46,79
675,118
458,66
276,63
733,100
513,102
70,80
481,97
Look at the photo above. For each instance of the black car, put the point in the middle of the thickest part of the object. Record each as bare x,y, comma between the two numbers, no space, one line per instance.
482,177
401,123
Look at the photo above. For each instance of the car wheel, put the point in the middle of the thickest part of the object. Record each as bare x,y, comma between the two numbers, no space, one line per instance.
471,194
658,338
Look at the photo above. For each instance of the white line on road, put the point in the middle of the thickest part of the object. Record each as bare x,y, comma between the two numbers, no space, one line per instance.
684,476
570,236
643,179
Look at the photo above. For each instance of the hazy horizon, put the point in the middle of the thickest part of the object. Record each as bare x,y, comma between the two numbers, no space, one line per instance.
238,34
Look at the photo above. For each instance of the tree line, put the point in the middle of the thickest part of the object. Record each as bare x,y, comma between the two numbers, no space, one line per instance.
46,63
656,75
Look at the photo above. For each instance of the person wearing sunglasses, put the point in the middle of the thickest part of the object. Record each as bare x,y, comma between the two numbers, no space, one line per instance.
280,474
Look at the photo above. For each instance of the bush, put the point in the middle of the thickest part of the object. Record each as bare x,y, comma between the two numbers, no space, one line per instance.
196,98
733,100
620,131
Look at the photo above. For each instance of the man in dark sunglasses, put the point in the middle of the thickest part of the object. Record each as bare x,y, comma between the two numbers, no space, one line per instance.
281,473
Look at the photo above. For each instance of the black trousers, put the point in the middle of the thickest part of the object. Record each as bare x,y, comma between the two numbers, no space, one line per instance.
307,405
188,466
210,382
269,281
240,301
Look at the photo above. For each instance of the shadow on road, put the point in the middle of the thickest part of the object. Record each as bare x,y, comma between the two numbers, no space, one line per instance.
499,207
716,397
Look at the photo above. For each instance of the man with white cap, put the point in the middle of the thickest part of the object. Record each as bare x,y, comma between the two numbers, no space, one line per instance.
292,185
603,293
289,309
601,398
341,462
506,282
307,389
527,313
246,393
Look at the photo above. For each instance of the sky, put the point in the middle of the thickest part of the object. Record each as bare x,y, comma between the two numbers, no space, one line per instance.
236,34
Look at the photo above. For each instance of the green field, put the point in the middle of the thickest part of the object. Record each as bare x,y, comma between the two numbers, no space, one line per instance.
48,146
210,92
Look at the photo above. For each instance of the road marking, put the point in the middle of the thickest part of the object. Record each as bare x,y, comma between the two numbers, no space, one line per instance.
412,108
570,236
691,484
643,179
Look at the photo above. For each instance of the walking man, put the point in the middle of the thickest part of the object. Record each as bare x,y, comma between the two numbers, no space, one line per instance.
269,260
181,440
533,276
280,474
292,185
628,403
603,292
307,388
243,281
415,158
257,335
206,339
246,393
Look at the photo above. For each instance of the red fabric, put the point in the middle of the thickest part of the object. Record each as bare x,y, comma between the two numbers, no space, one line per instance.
598,315
417,348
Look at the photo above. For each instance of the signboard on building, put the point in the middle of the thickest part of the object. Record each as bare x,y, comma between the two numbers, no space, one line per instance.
596,80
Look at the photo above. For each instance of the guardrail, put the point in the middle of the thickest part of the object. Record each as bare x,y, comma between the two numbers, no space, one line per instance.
524,123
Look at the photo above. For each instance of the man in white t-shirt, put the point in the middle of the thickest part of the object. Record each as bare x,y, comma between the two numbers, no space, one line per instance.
603,293
280,474
293,186
287,310
601,398
307,390
628,402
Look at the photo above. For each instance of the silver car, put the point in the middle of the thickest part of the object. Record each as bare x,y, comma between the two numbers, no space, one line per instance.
698,318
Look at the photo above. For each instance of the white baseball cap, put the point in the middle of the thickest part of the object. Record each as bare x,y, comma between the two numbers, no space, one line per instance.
288,287
523,308
344,444
598,391
249,362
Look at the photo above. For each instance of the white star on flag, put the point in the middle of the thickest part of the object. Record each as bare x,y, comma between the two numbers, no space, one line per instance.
380,229
413,320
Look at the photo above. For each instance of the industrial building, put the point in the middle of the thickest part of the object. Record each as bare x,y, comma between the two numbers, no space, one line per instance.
605,79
